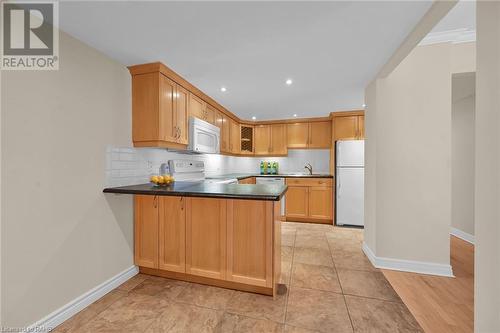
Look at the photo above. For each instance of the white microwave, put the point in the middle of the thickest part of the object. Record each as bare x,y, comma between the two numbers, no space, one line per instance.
203,137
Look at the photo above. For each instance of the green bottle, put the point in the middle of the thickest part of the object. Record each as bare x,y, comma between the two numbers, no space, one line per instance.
269,170
262,168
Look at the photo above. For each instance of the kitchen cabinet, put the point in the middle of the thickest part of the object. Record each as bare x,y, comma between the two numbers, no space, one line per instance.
146,220
197,107
278,139
210,112
249,242
172,234
250,180
297,202
262,139
270,139
159,117
297,135
320,202
222,121
348,127
317,134
234,137
206,237
309,199
320,134
247,139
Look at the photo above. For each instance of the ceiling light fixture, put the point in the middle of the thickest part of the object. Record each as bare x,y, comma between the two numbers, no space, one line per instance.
364,106
223,89
254,117
288,82
295,115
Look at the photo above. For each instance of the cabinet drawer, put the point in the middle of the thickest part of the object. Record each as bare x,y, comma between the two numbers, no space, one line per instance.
328,182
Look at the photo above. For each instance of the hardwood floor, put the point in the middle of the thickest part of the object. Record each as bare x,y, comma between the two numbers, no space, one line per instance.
441,304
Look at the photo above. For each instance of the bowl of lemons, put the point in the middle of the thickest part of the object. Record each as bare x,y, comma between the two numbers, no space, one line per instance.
164,180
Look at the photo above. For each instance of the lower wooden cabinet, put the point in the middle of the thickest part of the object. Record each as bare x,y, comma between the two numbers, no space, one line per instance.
320,203
250,242
309,199
172,234
229,243
206,237
297,202
250,180
146,231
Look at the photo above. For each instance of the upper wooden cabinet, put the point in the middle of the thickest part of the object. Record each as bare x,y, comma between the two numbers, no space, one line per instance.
297,135
210,114
278,139
270,139
247,139
159,112
348,127
309,134
234,136
222,121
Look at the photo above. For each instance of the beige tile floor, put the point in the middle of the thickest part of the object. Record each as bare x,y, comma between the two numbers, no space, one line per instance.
332,287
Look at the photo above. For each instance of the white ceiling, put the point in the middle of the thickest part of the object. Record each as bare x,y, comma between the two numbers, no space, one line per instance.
462,16
331,50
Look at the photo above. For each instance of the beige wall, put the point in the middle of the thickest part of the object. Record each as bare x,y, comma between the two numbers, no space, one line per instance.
462,143
61,236
487,194
412,152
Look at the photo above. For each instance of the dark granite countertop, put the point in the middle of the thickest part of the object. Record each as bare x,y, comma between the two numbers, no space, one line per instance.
188,189
240,176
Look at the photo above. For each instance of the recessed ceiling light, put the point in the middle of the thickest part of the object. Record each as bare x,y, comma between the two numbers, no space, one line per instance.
364,105
288,82
254,117
295,115
223,89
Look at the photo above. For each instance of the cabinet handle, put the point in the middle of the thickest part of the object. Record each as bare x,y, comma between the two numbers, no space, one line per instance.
182,203
155,201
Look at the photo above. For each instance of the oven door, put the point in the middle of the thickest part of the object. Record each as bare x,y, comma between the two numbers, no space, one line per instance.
203,137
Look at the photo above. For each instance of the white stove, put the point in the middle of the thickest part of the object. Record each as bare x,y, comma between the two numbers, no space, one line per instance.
194,171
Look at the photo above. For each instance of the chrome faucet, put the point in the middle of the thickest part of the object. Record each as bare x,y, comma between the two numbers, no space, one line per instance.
309,168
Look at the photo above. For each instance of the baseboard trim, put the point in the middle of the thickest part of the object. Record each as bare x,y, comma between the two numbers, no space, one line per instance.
81,302
462,235
408,265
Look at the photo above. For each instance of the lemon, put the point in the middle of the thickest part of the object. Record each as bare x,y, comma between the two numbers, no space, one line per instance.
154,179
161,180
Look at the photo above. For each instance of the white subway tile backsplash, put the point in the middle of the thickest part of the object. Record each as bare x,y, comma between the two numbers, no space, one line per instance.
127,166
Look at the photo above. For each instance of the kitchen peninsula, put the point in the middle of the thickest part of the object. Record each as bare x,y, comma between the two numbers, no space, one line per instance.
225,235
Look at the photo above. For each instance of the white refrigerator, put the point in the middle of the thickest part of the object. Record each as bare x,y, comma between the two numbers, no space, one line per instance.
350,172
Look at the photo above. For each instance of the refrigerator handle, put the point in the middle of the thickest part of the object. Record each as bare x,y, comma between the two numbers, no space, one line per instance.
340,186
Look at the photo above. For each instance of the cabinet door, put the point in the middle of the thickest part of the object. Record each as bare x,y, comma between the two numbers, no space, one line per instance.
361,127
197,107
235,134
210,114
206,237
181,114
262,138
278,139
345,127
297,135
320,202
146,231
249,242
172,234
320,134
297,202
225,134
166,120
